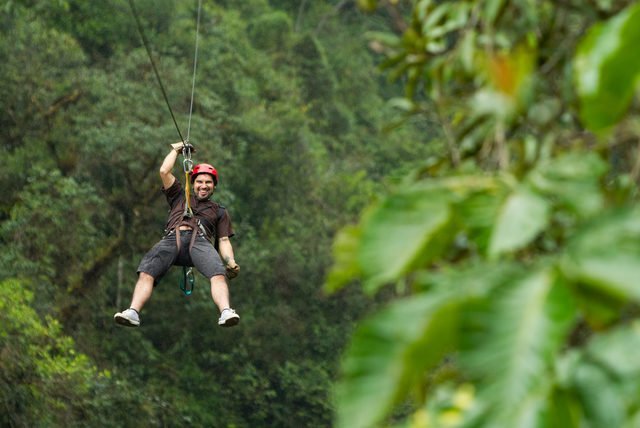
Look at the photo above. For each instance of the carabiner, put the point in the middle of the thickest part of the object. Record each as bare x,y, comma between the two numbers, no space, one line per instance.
187,165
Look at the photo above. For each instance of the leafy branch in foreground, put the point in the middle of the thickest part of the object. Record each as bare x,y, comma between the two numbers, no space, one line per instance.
499,304
523,280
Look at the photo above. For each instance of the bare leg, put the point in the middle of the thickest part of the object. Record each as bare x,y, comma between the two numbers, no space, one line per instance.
220,292
142,292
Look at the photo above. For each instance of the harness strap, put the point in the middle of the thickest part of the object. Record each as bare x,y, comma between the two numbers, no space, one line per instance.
177,229
194,234
188,212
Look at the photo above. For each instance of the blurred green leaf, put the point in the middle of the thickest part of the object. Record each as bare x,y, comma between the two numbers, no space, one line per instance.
522,217
479,212
494,103
403,104
563,409
598,308
345,250
491,10
605,254
396,234
616,350
387,352
386,38
467,50
367,5
414,226
599,396
607,68
571,180
392,349
633,421
518,333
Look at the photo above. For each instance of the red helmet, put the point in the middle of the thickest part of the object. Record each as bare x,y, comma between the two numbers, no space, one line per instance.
204,168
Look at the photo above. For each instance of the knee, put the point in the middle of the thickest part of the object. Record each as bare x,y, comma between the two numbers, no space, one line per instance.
218,279
144,277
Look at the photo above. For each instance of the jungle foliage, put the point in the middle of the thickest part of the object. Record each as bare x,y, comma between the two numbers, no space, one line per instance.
289,107
472,164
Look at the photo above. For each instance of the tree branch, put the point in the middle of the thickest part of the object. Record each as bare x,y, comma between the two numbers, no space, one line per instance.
61,102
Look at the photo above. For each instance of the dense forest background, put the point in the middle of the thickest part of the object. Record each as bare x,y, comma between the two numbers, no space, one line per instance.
434,205
289,107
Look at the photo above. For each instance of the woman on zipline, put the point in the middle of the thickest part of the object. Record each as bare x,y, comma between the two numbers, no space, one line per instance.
192,226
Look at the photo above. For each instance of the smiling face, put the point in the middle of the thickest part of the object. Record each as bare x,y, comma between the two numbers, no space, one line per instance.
203,186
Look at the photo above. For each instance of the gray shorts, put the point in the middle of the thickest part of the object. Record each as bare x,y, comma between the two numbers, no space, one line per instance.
165,254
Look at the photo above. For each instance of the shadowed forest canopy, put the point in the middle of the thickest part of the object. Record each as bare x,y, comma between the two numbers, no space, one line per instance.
434,205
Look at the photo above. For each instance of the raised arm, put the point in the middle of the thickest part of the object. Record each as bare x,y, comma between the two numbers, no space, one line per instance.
169,161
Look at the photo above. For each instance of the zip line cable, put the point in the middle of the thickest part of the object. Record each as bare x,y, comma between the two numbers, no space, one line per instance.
145,42
195,65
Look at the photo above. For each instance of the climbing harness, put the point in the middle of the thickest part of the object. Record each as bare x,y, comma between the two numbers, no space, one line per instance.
188,280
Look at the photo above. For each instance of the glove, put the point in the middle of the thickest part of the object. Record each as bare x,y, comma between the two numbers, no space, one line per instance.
232,269
180,145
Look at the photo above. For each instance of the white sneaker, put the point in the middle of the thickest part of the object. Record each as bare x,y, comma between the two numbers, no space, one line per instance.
128,318
228,318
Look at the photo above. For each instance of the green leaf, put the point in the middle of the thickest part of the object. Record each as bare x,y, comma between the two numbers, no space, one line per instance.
385,38
599,396
435,17
389,352
474,279
633,421
478,213
607,68
491,10
367,5
345,267
571,181
518,334
397,234
403,104
523,216
603,374
597,308
467,50
606,254
563,409
617,350
413,227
